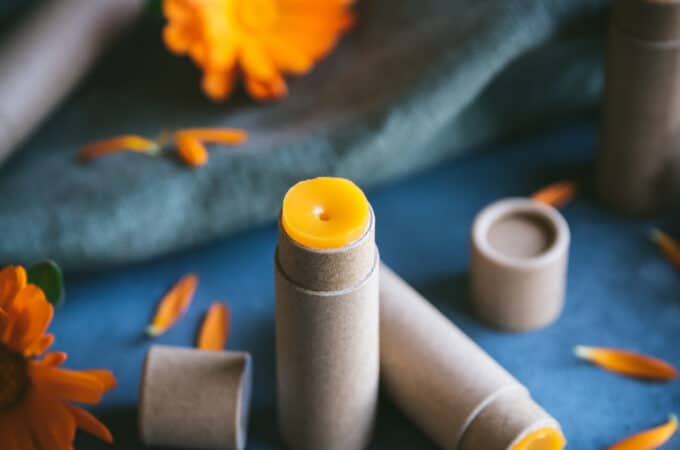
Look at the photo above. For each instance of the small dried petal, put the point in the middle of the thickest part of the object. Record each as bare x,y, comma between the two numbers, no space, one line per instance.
215,329
173,305
190,150
628,363
650,439
669,246
229,136
125,143
556,194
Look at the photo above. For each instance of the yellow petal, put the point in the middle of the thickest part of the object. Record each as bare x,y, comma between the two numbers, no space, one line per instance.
650,439
556,194
215,329
173,305
669,246
627,363
129,142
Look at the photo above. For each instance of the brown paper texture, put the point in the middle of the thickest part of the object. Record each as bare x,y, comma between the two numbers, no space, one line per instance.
194,398
43,59
443,381
327,346
525,292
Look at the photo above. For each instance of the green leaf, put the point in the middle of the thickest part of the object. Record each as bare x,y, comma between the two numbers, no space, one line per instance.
47,276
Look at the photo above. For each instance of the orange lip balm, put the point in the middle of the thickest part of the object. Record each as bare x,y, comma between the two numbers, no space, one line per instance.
327,316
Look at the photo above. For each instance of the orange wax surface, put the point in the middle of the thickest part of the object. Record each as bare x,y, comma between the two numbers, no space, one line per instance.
325,213
543,439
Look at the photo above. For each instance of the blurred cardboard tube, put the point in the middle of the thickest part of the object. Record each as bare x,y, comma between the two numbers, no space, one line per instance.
451,388
47,54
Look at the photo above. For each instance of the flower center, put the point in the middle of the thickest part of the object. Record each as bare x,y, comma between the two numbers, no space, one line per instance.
13,377
258,14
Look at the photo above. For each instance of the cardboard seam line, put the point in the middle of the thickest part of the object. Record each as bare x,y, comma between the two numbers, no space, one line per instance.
359,285
482,405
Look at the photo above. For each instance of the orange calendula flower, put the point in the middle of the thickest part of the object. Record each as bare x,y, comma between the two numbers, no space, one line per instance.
175,303
215,329
257,40
188,142
628,363
669,246
556,194
37,396
650,439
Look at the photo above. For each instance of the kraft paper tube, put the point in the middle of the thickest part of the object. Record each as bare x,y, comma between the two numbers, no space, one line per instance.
195,398
327,333
43,59
519,264
638,170
448,385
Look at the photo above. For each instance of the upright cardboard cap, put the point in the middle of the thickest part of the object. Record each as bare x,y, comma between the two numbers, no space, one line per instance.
649,20
195,398
519,261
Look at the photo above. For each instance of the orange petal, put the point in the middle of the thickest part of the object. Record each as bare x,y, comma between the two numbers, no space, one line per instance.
12,280
173,305
52,425
627,363
40,346
128,142
190,150
15,431
215,329
29,316
556,194
669,246
105,377
218,84
650,439
54,359
217,135
90,424
69,385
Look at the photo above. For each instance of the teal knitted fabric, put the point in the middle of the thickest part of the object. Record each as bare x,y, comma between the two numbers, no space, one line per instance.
416,82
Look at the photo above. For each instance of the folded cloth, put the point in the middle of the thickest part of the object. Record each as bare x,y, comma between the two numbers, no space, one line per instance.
416,82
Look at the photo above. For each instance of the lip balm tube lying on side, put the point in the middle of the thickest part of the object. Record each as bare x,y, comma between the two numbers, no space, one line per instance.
449,386
327,326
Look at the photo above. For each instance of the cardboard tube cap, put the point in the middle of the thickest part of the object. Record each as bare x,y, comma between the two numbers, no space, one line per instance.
519,262
195,398
649,20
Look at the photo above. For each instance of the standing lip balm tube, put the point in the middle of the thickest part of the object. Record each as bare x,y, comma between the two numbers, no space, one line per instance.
327,316
638,168
450,387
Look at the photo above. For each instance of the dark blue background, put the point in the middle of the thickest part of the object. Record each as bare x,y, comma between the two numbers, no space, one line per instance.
621,292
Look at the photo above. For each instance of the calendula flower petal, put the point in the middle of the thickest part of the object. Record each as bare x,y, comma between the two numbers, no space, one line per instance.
669,246
556,194
69,385
229,136
650,439
52,425
175,302
90,424
215,329
190,150
12,280
628,363
128,142
262,41
53,359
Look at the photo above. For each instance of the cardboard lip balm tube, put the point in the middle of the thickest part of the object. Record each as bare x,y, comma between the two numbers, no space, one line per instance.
327,339
47,54
518,264
638,165
195,398
449,386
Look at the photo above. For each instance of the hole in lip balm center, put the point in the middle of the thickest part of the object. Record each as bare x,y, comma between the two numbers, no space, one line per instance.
322,214
521,234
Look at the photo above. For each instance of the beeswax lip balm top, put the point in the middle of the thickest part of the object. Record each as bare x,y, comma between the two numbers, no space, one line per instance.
325,213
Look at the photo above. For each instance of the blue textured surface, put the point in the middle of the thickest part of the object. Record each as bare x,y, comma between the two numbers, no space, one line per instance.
620,293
